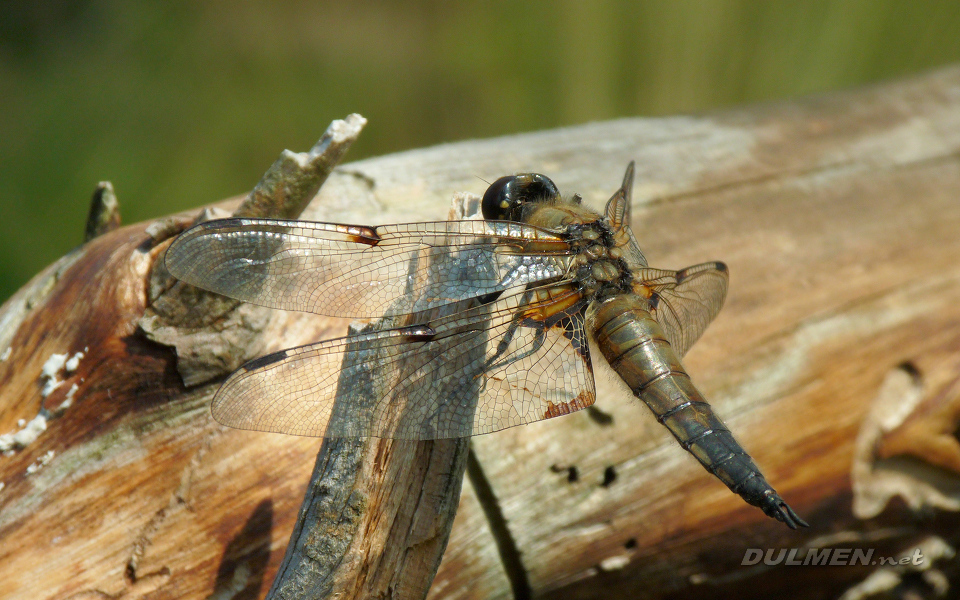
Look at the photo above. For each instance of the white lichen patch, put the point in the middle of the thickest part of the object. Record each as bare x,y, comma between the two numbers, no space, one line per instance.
74,361
29,431
56,363
27,434
614,563
68,401
5,354
2,485
40,462
50,370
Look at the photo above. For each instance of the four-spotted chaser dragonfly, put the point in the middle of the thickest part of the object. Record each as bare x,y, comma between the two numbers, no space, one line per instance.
498,310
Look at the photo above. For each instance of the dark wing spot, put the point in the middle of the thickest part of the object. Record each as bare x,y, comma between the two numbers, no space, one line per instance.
419,333
363,235
582,401
225,223
269,359
491,297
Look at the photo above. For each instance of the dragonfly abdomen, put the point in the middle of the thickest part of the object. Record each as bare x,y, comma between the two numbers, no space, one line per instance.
634,344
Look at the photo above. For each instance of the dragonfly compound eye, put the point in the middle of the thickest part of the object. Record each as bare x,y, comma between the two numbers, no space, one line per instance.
505,198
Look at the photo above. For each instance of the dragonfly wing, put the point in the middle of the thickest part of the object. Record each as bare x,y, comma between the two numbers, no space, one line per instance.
501,364
617,211
684,302
540,368
617,214
357,271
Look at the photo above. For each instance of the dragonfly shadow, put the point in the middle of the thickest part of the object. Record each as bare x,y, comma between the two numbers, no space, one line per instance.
243,565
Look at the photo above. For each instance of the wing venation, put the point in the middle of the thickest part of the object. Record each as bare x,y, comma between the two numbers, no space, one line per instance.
513,361
684,302
360,272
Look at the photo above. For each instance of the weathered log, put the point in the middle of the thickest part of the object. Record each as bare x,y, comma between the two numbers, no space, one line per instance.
835,361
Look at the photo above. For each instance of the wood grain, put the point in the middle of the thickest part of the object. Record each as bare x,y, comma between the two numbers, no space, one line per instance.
835,362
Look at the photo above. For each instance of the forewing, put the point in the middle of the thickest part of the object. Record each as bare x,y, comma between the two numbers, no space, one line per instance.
686,301
481,370
356,271
617,211
617,214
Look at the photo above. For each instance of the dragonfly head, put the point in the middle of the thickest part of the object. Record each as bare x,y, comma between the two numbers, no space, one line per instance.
510,197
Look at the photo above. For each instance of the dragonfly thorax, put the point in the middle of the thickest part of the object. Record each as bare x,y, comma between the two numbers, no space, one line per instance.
598,266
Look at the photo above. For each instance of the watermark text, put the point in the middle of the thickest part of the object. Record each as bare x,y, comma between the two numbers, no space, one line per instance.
834,557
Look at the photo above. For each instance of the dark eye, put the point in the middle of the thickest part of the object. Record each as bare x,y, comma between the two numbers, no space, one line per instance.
504,200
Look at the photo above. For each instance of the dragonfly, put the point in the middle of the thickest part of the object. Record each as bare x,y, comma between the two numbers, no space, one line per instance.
503,313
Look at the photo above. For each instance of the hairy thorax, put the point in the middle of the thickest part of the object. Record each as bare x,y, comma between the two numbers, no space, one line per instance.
599,266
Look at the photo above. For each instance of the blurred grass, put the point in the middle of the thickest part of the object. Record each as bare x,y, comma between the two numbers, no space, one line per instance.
180,104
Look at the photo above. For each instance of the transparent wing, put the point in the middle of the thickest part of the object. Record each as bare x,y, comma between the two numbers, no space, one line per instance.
356,271
618,206
685,301
617,214
519,359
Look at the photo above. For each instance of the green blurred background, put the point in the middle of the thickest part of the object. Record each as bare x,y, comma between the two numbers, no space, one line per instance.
183,103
